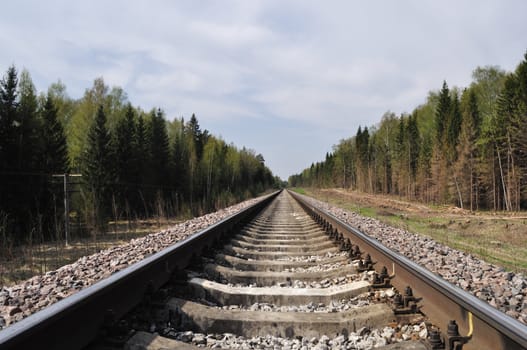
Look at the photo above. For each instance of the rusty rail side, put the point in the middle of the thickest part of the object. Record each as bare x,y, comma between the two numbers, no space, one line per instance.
74,322
442,301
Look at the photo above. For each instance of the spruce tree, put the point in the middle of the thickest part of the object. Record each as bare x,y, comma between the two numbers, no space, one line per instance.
414,142
520,135
8,149
159,150
55,150
465,167
180,160
53,155
97,167
454,127
442,113
28,131
8,119
196,135
143,161
124,148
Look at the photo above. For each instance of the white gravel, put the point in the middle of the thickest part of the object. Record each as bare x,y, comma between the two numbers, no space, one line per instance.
21,300
333,306
319,268
361,340
311,258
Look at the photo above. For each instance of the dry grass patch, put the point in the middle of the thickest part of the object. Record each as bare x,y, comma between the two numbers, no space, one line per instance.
497,237
25,261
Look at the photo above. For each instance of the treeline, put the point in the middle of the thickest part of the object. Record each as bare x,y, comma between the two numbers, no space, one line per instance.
133,164
464,147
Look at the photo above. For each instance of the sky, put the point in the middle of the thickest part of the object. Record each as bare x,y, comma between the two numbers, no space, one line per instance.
288,79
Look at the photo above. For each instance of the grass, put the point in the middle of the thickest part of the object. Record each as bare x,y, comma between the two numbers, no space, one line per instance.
25,261
299,190
496,237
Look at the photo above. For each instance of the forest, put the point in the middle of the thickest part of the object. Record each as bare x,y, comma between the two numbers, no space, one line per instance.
124,162
464,146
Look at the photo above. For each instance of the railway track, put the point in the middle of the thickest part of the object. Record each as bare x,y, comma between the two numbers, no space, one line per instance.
280,274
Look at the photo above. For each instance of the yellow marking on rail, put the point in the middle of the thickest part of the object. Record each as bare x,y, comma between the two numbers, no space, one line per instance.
470,325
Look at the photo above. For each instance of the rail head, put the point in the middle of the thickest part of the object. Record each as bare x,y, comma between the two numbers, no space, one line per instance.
73,322
514,333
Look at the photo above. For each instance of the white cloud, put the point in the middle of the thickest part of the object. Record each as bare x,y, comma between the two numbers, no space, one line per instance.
327,66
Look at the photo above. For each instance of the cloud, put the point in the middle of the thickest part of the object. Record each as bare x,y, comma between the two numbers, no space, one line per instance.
298,65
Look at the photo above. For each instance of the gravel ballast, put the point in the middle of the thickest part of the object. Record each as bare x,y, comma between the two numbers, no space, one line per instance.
21,300
502,289
364,338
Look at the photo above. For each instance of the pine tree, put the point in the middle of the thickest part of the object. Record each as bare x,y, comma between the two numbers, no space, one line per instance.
28,131
441,154
159,151
98,167
195,149
143,163
55,150
414,141
453,129
519,138
442,113
9,202
196,135
124,149
53,154
8,119
30,181
465,167
180,160
401,151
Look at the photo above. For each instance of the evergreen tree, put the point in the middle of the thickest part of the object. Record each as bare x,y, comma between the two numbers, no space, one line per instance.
124,148
363,153
194,148
28,130
142,141
196,135
8,119
466,174
98,167
520,135
402,157
159,150
53,160
453,128
54,151
414,141
9,202
442,114
31,180
180,160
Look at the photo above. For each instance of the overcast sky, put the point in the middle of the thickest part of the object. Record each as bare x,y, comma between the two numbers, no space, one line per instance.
288,79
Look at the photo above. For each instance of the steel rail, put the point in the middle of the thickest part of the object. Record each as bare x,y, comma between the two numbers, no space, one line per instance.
442,301
75,321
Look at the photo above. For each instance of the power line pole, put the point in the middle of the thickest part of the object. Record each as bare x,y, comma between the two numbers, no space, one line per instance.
66,203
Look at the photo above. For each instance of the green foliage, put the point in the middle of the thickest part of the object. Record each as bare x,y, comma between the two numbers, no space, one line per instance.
8,119
97,168
442,113
469,151
125,150
159,149
132,163
113,101
30,143
55,149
